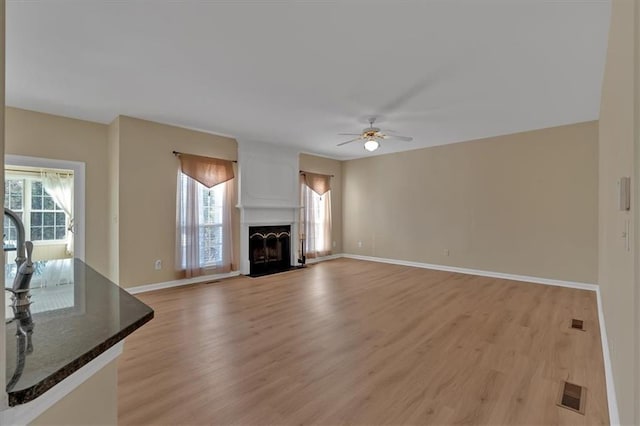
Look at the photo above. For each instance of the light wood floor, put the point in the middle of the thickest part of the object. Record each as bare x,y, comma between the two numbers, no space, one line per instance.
354,342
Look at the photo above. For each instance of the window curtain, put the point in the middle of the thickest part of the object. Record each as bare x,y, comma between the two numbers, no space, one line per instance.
315,193
208,172
228,259
60,187
188,254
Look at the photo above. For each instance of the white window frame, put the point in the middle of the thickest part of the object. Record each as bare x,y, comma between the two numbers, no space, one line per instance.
27,210
78,169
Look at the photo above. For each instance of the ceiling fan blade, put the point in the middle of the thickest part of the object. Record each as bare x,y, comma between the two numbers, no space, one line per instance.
349,141
398,138
349,134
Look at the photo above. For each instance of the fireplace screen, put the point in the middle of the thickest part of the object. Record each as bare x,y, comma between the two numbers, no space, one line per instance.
269,249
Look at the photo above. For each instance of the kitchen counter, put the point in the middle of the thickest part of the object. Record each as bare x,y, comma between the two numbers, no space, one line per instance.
76,314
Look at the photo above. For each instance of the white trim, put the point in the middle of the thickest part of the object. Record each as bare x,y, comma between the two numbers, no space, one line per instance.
178,283
269,223
279,207
78,191
524,278
207,278
25,413
614,415
311,261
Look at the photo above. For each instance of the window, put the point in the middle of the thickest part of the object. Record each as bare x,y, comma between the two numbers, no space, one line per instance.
318,210
205,201
316,218
211,200
210,203
43,219
48,221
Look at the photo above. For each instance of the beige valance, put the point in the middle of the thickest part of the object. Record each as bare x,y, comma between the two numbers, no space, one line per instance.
320,184
206,170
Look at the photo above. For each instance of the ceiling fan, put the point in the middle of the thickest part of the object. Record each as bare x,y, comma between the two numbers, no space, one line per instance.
372,136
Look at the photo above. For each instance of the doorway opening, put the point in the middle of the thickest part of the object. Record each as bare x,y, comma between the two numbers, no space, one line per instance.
48,195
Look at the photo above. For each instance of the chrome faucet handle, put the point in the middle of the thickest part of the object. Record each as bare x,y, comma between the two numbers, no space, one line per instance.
23,276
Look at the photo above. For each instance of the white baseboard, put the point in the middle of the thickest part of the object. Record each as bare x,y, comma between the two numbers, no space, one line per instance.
26,413
614,415
207,278
178,283
512,277
311,261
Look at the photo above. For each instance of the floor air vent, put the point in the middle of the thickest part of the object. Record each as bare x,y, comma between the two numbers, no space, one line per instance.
572,397
577,324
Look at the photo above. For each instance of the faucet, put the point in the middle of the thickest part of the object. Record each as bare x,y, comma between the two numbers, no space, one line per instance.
24,344
21,298
17,222
24,264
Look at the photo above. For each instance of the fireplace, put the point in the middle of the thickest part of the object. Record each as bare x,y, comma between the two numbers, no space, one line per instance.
269,249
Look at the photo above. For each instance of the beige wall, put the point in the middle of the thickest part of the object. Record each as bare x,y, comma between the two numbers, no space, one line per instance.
522,204
618,131
49,136
328,166
130,184
147,194
113,151
94,402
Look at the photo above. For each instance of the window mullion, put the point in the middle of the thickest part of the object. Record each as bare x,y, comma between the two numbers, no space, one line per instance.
26,209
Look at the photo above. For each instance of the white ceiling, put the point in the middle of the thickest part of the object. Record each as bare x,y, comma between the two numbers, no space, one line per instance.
298,72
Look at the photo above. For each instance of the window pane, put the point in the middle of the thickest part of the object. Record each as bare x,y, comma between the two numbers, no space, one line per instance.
217,214
210,245
36,233
17,185
48,233
13,195
60,233
48,219
9,229
60,219
16,202
36,219
36,188
36,203
48,204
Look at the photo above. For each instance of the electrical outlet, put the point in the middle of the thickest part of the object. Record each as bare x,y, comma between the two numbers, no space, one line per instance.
158,264
446,252
334,244
360,244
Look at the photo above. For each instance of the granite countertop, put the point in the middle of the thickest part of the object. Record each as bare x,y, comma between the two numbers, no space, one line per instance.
76,315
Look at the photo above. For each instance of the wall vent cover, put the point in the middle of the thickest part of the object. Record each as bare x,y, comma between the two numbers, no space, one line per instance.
577,324
572,397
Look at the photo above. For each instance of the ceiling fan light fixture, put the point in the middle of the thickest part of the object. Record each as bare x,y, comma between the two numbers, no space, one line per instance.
371,145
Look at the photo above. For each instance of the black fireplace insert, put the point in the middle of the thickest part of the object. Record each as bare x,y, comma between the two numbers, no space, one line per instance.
269,249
